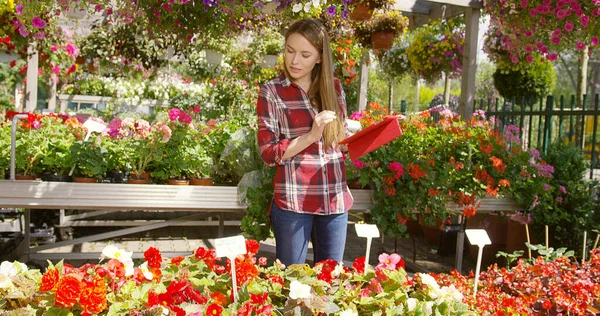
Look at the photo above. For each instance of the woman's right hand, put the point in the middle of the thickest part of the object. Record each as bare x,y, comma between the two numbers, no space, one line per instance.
321,120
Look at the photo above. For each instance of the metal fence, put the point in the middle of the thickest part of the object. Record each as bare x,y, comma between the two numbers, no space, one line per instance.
548,120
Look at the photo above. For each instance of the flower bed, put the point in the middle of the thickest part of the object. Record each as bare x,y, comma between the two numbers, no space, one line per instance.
200,284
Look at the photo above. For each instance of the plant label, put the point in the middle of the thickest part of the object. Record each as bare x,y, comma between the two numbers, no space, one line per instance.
230,247
478,237
93,126
367,230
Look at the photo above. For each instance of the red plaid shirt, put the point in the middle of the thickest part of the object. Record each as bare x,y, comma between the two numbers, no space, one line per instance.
314,181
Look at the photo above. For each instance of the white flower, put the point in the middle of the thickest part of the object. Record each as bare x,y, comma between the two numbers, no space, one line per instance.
11,269
348,312
449,293
315,3
411,303
111,251
429,308
307,7
297,7
299,290
339,269
147,274
429,281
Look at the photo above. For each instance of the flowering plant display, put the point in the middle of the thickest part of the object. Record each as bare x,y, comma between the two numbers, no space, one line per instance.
141,142
530,27
437,48
389,21
201,284
395,61
374,4
450,160
347,53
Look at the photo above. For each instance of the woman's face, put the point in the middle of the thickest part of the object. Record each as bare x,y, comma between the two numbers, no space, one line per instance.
300,57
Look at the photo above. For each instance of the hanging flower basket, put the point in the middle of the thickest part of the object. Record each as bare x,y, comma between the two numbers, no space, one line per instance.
361,12
382,40
270,60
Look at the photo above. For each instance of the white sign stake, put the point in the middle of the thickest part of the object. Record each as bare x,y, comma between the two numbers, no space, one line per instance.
480,238
368,231
231,247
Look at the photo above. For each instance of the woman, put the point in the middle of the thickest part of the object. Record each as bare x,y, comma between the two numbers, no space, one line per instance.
301,120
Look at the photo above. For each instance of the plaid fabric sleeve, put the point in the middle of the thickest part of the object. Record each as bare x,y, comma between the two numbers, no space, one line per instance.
272,146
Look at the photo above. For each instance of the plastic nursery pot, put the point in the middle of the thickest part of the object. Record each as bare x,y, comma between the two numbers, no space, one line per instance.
205,182
85,180
23,177
178,182
138,181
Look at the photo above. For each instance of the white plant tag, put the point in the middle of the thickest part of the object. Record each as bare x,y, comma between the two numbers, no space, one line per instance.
478,237
367,230
230,247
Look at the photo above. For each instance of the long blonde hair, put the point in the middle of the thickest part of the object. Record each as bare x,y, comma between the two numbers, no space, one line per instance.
322,91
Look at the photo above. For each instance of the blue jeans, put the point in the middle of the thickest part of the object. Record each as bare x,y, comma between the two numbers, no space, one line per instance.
293,231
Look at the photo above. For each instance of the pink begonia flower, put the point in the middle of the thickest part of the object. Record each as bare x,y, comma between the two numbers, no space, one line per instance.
38,22
19,9
174,114
594,40
40,72
185,118
397,168
356,116
388,261
54,48
580,45
56,70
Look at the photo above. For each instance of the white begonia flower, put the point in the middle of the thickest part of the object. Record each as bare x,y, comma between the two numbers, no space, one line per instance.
5,282
339,269
299,290
297,7
411,304
348,312
449,293
111,251
11,269
429,308
429,281
307,7
145,271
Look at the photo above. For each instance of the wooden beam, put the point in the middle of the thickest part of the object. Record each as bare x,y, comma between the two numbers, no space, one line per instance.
469,63
412,6
476,4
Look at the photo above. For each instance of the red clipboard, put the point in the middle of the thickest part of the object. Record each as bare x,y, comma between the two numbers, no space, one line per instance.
372,137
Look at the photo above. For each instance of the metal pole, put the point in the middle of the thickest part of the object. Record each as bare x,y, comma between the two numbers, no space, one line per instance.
13,143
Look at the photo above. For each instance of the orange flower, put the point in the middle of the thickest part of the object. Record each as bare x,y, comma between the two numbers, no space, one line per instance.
415,171
489,190
504,183
486,147
469,211
401,220
498,164
68,291
49,280
93,297
219,298
433,192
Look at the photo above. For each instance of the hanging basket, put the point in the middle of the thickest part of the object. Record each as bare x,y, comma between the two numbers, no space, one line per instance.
270,61
361,12
382,40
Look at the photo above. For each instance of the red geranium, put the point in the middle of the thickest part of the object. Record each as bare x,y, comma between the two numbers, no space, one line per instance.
214,310
68,291
359,264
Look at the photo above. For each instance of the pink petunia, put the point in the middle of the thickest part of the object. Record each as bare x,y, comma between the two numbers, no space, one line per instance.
580,45
556,40
524,4
552,57
594,40
23,31
38,22
56,70
54,48
39,35
556,33
19,9
529,58
72,50
585,20
569,26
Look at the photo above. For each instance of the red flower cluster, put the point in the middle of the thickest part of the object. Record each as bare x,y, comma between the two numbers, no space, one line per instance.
153,256
177,293
327,267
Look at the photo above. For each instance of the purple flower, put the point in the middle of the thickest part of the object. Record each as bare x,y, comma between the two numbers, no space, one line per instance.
580,45
19,9
594,40
39,35
585,20
562,189
569,26
331,10
555,40
345,14
546,187
521,218
534,153
259,4
479,113
39,23
23,31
